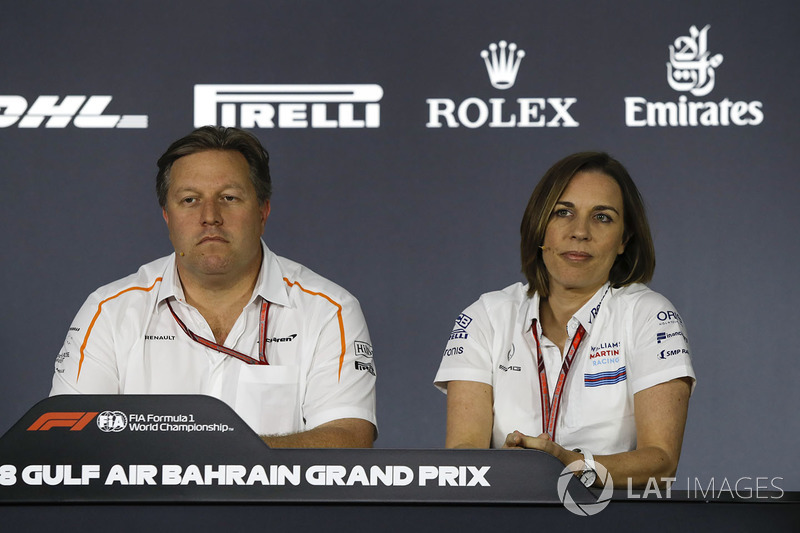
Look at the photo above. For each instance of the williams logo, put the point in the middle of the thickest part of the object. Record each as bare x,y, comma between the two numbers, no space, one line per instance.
82,111
692,69
502,61
288,106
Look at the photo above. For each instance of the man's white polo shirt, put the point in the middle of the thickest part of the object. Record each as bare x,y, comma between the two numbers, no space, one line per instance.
125,340
634,339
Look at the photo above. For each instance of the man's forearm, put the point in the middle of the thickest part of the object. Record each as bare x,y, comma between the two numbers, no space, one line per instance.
343,433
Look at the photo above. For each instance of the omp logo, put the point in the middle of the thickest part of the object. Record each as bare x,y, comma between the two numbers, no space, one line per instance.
75,421
502,63
692,68
502,66
82,111
288,106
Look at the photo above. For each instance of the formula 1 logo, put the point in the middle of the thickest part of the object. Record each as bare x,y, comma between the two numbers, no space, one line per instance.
82,111
75,421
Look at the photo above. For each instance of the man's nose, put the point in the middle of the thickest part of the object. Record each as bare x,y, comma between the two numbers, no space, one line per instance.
212,214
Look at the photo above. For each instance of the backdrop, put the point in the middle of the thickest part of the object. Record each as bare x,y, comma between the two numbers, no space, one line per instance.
402,161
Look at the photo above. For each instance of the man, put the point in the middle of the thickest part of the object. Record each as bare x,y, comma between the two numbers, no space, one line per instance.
224,316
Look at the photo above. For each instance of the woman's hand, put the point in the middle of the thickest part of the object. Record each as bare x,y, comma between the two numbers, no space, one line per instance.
518,440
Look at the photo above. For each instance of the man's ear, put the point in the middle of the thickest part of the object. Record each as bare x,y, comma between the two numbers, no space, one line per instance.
265,209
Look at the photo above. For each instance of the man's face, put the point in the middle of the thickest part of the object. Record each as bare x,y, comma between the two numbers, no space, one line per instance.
215,221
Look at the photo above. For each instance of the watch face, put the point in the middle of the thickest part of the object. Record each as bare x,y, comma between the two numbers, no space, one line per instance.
588,477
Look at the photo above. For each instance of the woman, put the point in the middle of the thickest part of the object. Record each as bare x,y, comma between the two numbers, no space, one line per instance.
584,362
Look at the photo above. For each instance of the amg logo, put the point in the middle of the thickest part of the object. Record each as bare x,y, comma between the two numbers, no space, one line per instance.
288,106
82,111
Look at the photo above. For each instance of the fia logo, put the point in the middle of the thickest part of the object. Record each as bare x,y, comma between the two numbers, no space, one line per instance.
112,421
502,64
690,67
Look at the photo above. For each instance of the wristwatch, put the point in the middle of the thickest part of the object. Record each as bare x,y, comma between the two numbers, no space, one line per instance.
588,475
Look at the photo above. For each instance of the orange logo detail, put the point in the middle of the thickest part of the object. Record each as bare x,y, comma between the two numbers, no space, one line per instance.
75,421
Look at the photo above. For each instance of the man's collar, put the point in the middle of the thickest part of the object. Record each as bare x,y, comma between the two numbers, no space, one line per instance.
269,284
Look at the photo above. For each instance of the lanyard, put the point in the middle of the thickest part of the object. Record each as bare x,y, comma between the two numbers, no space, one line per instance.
550,414
262,335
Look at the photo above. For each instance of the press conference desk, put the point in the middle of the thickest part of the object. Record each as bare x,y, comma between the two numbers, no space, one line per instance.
188,463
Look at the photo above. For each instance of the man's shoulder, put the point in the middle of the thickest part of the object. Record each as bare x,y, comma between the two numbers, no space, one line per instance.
145,279
302,281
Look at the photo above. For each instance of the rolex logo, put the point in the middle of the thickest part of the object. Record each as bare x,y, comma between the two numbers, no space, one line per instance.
502,63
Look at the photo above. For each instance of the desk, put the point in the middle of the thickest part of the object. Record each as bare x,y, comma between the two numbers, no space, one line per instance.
190,463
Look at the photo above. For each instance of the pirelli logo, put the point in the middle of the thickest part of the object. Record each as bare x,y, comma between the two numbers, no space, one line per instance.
75,421
288,106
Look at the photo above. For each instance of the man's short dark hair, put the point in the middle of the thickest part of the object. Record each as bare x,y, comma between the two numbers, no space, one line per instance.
218,138
635,265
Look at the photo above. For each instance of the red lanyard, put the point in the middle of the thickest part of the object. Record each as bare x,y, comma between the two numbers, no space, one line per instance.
262,335
550,414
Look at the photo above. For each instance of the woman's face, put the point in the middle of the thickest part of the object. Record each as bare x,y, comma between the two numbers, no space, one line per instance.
584,234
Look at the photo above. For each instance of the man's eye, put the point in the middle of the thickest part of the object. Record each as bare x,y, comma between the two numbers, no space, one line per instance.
188,200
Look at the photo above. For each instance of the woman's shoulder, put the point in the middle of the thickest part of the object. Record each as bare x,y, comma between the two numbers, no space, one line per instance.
513,294
642,298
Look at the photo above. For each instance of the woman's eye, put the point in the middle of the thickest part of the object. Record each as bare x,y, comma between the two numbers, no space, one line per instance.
602,217
562,212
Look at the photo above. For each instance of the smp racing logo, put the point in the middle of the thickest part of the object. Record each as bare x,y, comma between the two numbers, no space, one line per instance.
692,68
502,61
288,106
83,111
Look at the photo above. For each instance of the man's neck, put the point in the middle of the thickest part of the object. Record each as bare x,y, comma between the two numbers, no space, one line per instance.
218,298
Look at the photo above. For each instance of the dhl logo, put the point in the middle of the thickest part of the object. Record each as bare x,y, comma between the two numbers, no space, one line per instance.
75,421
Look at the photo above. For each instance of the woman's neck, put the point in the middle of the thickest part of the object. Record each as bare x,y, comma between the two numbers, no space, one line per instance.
557,309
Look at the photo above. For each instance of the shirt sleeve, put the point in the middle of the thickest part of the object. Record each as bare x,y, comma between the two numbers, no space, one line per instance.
661,344
341,380
86,363
468,353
